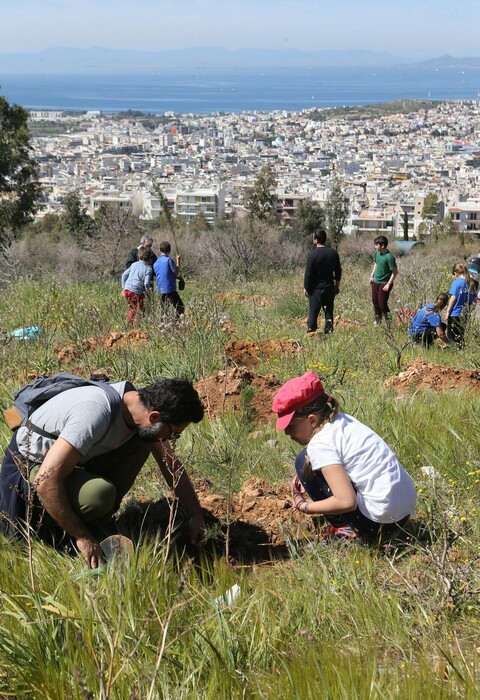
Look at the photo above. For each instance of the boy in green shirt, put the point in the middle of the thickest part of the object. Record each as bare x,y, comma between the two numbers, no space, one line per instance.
381,280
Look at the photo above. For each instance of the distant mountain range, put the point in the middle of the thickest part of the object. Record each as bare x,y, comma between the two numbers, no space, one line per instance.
448,61
102,60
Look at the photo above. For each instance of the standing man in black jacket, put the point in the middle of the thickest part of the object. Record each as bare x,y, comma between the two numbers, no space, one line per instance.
147,243
322,281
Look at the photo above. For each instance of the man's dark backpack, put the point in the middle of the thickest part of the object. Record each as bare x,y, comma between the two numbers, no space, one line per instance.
14,491
33,395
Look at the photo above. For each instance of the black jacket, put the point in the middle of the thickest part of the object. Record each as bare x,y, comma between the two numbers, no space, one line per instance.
133,257
323,269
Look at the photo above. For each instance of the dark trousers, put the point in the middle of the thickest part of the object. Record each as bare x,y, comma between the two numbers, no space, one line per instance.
380,300
318,490
174,299
321,298
427,337
456,330
94,489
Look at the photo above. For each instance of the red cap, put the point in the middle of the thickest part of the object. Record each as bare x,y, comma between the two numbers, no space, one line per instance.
295,394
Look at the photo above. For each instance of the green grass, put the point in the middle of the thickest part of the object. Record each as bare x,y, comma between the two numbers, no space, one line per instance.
334,622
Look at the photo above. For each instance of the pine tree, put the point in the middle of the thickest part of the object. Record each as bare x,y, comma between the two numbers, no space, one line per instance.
260,199
309,217
336,214
19,188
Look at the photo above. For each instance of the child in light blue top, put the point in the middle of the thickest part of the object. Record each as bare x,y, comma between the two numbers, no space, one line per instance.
136,281
138,277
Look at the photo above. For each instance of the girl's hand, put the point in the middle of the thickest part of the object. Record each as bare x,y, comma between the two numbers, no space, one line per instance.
297,489
298,496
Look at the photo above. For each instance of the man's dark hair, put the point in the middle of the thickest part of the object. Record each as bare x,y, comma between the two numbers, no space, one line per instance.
165,247
381,240
176,399
320,236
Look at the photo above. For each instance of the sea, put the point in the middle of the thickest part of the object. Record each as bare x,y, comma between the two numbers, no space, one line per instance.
209,91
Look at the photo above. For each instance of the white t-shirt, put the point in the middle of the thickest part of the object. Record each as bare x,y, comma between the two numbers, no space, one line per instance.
81,416
385,492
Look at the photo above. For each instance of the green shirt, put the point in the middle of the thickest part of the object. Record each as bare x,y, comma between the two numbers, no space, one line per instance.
384,266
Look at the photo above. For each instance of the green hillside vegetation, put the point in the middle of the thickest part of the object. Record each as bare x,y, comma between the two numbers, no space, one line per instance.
381,109
54,128
322,622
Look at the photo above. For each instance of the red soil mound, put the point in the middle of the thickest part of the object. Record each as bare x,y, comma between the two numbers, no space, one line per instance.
70,352
223,390
424,374
250,353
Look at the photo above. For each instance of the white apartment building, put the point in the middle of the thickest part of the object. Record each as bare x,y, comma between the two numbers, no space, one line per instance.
210,203
381,221
187,204
119,200
466,215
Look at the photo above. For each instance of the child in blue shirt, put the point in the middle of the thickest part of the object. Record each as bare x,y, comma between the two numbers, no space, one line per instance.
167,272
427,323
461,297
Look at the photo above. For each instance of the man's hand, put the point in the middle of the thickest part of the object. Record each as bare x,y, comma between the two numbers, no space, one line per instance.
91,551
196,525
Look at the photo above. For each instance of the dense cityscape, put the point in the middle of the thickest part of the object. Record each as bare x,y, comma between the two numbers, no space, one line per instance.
385,164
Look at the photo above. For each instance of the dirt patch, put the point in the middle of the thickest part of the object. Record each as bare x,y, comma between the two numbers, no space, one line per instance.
258,522
227,326
229,297
70,352
424,374
250,353
347,323
258,503
226,390
339,322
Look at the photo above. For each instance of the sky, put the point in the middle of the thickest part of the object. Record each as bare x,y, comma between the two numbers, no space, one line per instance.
420,28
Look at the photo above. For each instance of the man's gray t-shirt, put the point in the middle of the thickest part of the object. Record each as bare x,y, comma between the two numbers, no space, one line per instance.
81,416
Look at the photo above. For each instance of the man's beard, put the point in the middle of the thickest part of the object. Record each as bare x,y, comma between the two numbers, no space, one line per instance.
150,434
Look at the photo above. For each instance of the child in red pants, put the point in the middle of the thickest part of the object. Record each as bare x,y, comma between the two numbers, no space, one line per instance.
136,280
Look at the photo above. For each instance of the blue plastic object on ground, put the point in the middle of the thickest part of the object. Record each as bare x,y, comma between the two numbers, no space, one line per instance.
28,333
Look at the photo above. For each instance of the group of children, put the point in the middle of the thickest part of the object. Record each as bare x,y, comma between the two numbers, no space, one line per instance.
142,267
426,324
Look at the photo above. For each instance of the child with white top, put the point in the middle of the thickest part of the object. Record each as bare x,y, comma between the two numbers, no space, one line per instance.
348,472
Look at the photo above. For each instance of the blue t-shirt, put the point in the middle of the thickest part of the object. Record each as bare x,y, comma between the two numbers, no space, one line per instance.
461,290
423,320
165,270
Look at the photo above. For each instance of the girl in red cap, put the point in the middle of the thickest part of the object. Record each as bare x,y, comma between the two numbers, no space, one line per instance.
346,473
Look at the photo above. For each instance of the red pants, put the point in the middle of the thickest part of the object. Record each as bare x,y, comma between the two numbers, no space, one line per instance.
136,305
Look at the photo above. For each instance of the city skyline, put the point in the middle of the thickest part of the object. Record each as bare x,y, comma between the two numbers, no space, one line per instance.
405,27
